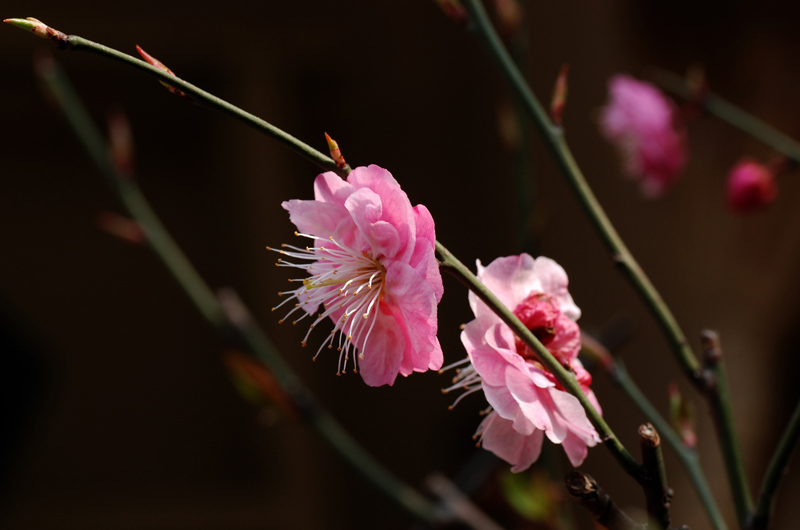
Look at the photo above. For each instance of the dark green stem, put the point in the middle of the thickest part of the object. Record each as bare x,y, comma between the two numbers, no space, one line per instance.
554,138
208,304
719,401
451,264
730,114
776,471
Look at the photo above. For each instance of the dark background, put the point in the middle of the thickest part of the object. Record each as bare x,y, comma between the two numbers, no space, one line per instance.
118,411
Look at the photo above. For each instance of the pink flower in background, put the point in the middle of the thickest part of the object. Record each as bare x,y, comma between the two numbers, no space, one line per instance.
751,187
372,272
528,403
641,122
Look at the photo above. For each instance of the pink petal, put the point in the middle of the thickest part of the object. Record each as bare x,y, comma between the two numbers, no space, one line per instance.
319,218
499,437
383,352
553,281
413,302
397,209
330,188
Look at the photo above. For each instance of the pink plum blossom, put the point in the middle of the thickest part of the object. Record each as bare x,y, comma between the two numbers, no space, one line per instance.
641,122
527,402
372,271
751,187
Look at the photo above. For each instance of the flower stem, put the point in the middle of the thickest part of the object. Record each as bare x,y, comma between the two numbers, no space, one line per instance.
775,472
452,265
554,138
208,304
730,114
74,42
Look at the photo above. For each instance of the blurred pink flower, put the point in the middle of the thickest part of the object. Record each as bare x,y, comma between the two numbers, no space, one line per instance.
750,187
528,403
641,122
373,272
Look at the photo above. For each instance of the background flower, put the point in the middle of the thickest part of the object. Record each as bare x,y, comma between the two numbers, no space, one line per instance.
641,122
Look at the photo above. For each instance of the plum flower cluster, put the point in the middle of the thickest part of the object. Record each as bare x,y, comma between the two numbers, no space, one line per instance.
641,122
371,271
526,402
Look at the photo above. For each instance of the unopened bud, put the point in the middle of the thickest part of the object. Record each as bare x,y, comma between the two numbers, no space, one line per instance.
336,153
559,95
509,15
256,384
120,142
681,415
39,28
161,66
122,227
454,10
750,187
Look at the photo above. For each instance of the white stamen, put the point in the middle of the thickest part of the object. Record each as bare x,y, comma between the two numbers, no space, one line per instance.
346,282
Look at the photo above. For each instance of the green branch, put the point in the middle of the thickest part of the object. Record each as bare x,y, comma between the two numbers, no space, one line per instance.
776,471
730,114
73,42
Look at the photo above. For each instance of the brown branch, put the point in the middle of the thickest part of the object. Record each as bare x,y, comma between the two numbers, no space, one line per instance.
584,489
657,495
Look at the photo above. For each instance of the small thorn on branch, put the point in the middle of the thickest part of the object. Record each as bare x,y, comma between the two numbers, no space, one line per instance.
585,490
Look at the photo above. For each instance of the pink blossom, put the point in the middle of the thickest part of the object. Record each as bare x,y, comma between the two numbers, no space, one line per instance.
751,187
372,272
528,403
641,122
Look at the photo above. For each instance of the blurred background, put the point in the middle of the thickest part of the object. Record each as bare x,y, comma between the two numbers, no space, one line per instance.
117,409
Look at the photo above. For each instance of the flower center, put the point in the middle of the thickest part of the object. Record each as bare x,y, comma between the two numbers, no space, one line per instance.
539,313
347,283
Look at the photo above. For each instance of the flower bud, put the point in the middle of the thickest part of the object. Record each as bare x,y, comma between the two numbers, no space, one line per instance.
559,95
122,227
38,28
681,415
161,66
336,153
750,187
454,10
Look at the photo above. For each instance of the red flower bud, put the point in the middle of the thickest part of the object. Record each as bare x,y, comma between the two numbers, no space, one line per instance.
750,187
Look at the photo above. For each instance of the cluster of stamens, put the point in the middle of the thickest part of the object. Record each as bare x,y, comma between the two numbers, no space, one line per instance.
346,283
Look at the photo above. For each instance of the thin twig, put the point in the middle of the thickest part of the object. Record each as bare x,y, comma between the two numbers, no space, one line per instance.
730,114
459,505
658,495
249,334
776,471
719,402
584,489
74,42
